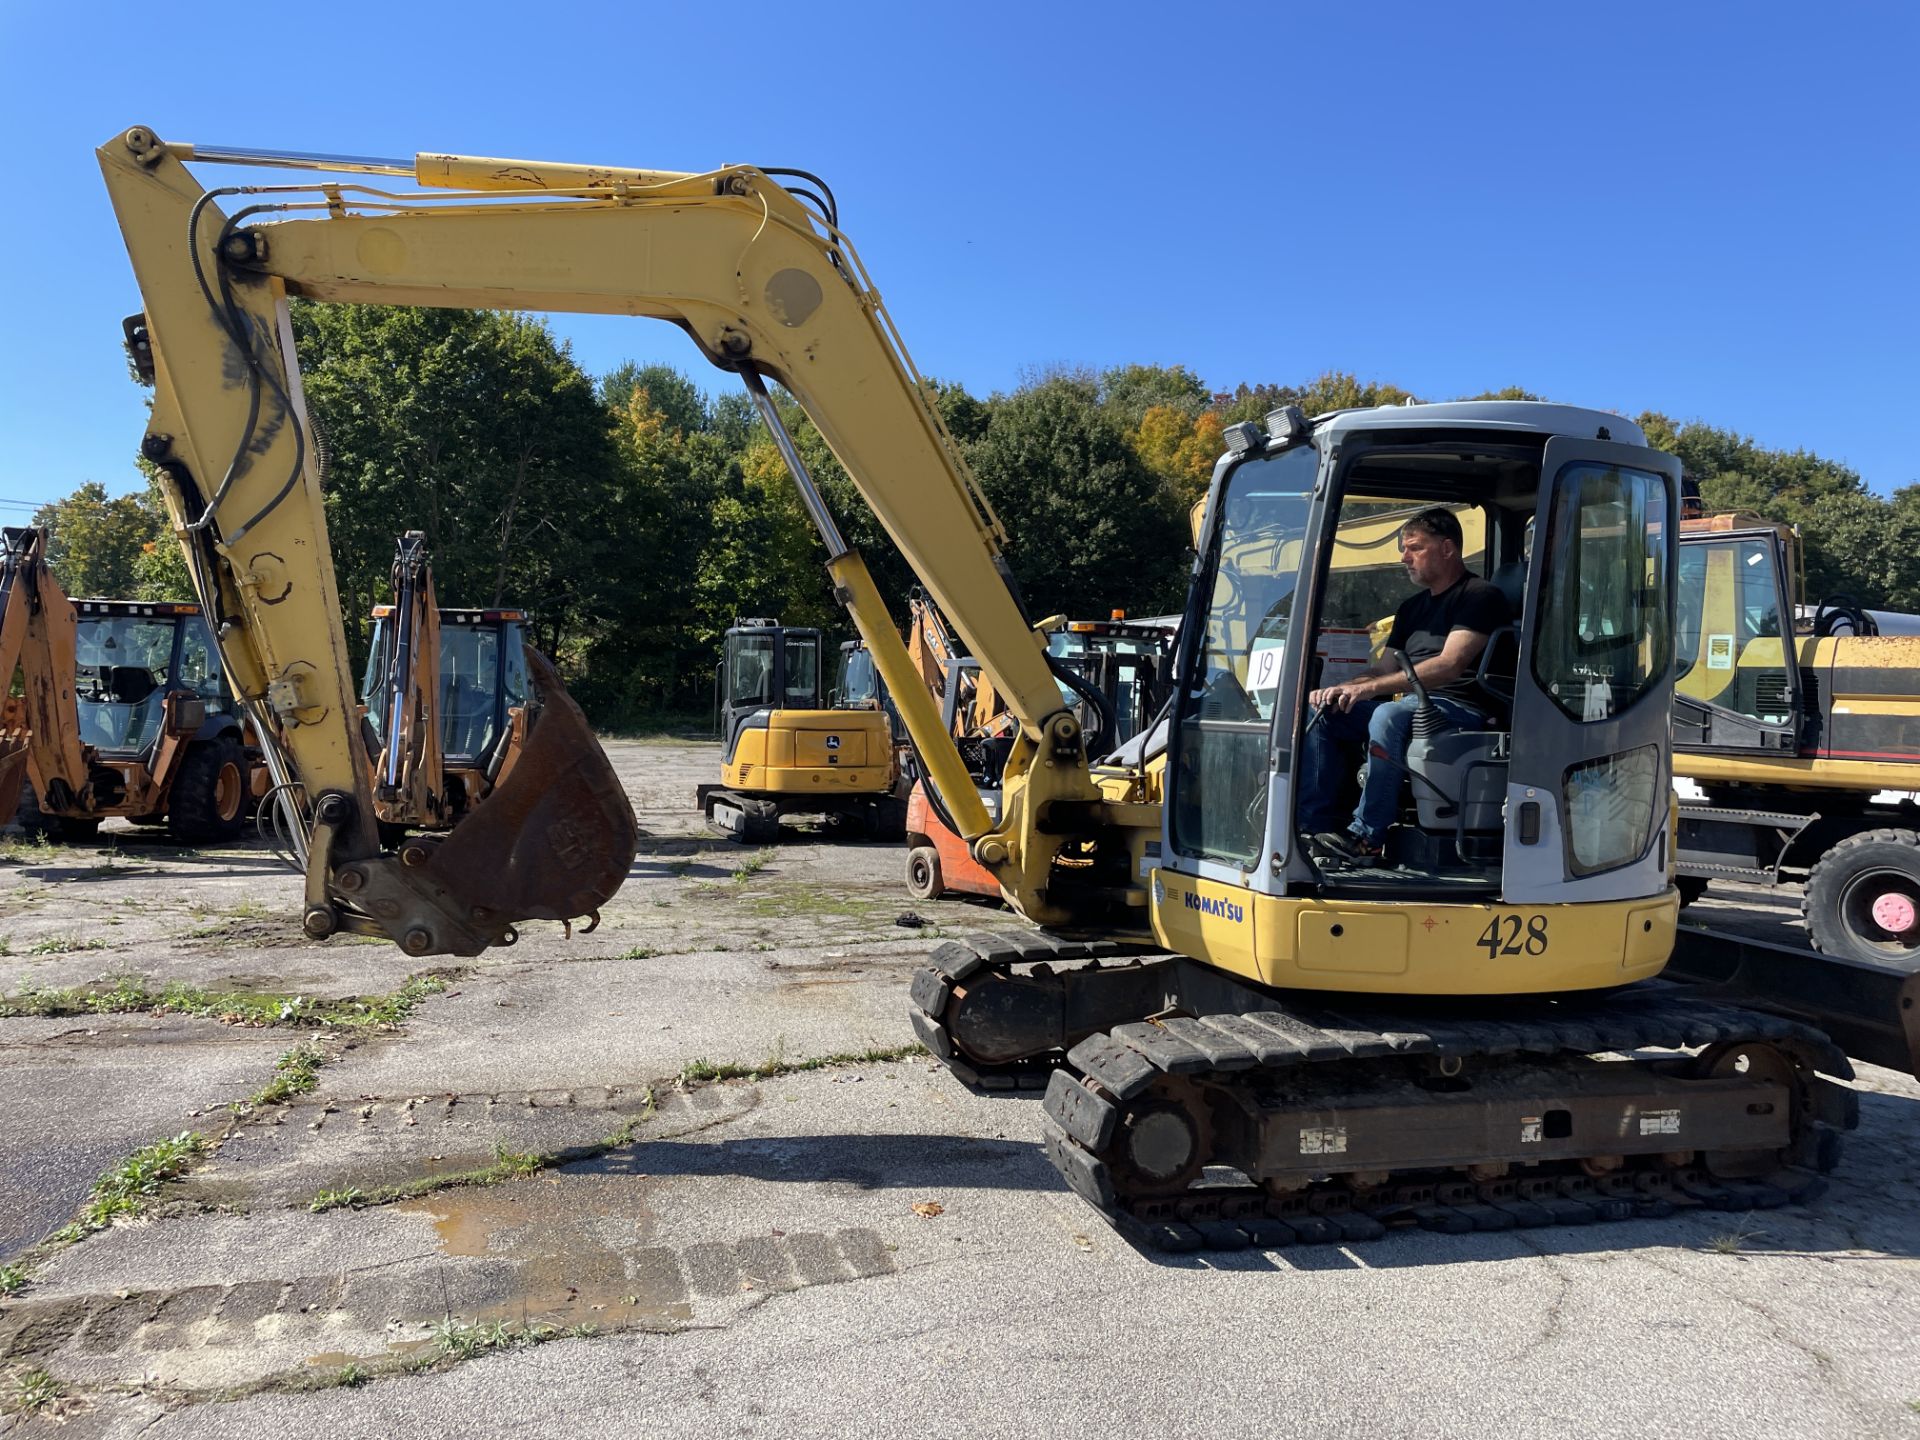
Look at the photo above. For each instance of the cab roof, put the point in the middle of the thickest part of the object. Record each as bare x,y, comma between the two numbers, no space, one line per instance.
1533,417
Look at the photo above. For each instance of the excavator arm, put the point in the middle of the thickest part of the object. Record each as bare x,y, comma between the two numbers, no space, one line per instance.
764,284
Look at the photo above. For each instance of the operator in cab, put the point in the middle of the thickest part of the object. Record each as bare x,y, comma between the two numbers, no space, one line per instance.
1442,629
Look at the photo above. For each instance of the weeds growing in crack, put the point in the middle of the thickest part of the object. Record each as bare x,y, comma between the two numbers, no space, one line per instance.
126,1189
1732,1242
63,945
630,1127
27,849
753,865
464,1339
638,952
696,1072
130,993
507,1165
35,1392
13,1279
294,1073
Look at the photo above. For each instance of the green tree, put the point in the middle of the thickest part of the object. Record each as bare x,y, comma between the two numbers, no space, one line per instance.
1090,525
675,397
1128,392
1328,391
95,544
477,428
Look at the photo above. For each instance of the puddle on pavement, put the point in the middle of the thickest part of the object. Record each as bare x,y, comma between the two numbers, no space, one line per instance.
339,1359
579,1245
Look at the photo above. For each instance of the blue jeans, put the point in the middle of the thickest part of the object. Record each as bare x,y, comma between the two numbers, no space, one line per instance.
1326,761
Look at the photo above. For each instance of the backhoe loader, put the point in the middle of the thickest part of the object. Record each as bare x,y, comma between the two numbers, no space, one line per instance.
783,753
1236,1048
445,697
122,711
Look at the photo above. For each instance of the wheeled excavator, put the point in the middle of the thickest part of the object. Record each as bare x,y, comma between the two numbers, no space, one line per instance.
446,699
1234,1046
1793,719
122,711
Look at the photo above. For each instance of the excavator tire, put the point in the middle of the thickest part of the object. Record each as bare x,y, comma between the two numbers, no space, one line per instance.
1239,1117
39,825
1862,901
923,873
208,800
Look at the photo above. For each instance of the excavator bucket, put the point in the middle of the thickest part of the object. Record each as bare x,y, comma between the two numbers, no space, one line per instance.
557,836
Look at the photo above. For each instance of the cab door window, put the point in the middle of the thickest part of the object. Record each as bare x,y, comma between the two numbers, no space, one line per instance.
1732,652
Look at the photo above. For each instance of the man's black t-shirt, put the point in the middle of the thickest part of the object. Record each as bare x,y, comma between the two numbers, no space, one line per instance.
1421,626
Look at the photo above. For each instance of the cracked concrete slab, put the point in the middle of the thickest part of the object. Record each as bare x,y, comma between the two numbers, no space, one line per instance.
751,1251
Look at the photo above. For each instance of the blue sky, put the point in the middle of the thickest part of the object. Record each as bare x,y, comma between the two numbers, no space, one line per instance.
1707,209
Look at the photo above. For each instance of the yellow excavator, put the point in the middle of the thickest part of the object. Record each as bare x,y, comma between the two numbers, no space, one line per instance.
1236,1048
1793,720
445,699
784,753
121,711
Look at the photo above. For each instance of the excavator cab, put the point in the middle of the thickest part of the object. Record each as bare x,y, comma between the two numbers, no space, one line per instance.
1124,664
1557,795
783,753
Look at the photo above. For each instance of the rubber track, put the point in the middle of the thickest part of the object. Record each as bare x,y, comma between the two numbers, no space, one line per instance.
1078,1121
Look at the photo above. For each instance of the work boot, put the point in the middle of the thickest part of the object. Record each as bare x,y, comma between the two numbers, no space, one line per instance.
1344,848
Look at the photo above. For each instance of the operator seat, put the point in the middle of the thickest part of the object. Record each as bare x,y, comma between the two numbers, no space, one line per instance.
1459,777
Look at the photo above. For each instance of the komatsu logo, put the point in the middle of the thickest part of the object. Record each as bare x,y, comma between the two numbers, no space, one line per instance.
1206,904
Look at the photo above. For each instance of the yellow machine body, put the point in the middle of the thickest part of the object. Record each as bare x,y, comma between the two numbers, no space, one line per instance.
808,752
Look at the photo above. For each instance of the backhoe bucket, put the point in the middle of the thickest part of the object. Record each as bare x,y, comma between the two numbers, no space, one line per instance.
556,837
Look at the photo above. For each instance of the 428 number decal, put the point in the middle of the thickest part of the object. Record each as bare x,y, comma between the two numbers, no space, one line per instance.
1514,935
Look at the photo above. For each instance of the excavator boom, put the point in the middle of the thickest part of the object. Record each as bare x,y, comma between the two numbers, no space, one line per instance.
764,285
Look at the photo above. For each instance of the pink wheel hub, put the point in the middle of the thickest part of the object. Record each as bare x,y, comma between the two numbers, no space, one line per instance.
1894,913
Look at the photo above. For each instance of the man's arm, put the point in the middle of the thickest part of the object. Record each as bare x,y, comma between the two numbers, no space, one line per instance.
1384,677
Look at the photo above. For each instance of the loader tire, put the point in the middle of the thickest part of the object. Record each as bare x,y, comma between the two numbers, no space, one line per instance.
39,825
923,873
1862,901
208,800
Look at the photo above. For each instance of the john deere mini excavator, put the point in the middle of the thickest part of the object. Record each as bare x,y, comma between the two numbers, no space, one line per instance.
1236,1047
446,699
123,711
783,753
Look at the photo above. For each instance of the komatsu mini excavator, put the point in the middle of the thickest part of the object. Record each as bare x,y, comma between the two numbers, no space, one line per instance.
1235,1046
445,695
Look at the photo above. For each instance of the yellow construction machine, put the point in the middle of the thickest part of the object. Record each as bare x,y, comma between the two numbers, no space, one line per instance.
1794,720
1236,1048
445,697
784,753
122,711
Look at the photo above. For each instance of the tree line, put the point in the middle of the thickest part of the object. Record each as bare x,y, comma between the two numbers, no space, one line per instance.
636,515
